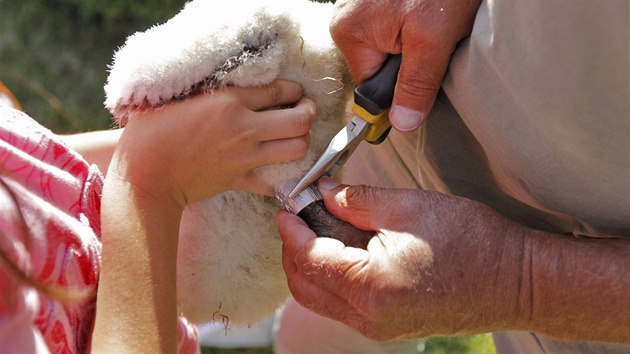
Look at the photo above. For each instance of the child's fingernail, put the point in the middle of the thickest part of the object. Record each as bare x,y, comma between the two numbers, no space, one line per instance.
405,119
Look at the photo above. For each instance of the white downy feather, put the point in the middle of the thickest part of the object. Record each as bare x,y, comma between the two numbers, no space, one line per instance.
229,257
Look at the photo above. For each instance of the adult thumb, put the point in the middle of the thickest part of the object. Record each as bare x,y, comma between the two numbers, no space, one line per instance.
358,205
419,80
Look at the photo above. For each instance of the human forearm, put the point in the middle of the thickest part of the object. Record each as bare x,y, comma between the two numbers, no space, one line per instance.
444,265
580,287
559,285
136,307
164,159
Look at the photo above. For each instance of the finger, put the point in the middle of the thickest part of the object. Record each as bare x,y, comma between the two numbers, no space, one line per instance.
363,63
276,93
365,44
284,150
358,205
314,267
304,252
419,80
295,235
321,301
294,232
286,123
326,262
267,153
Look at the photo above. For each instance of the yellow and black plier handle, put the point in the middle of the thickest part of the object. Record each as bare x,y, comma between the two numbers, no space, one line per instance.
372,100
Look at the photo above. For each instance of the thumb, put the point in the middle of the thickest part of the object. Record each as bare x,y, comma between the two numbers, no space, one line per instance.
358,205
419,79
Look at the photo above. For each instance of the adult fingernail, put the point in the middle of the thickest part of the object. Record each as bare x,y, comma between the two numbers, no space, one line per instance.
327,183
405,119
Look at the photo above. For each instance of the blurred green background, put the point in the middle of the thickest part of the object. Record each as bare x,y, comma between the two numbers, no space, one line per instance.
54,56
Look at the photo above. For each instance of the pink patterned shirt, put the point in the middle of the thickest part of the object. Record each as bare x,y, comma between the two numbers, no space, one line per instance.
58,194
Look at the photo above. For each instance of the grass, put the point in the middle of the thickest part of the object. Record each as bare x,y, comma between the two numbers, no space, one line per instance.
480,344
263,350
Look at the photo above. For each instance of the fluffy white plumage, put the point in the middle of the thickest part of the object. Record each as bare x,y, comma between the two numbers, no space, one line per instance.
229,257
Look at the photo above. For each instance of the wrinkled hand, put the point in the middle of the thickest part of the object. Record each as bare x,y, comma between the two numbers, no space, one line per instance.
424,31
438,265
212,143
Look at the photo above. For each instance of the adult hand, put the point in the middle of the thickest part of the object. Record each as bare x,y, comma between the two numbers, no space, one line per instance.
431,269
445,265
212,143
424,31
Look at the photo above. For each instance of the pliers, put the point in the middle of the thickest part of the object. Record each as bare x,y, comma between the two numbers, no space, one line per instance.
372,100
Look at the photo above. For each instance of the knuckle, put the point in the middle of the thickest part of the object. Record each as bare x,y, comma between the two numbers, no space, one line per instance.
425,87
311,111
360,197
337,25
298,148
295,89
302,146
346,31
305,119
274,92
225,100
301,126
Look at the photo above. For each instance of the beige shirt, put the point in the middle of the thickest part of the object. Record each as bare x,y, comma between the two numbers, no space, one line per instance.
533,121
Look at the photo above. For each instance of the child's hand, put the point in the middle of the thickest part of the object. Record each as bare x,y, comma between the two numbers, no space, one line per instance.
212,143
166,158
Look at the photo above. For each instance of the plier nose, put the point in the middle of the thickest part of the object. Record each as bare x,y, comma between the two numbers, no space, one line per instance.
336,154
372,100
